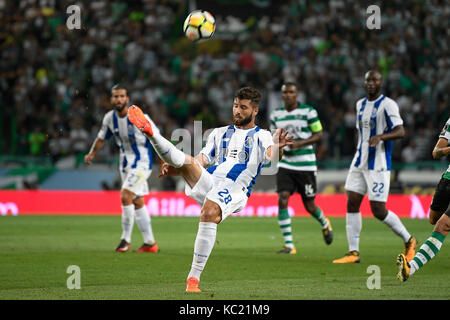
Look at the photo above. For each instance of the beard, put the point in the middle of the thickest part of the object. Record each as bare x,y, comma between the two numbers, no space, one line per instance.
373,92
242,122
119,107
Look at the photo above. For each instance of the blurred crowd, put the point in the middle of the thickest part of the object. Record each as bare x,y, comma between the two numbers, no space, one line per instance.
55,82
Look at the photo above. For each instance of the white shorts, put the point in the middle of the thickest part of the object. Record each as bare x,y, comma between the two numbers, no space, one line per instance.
228,195
375,183
135,180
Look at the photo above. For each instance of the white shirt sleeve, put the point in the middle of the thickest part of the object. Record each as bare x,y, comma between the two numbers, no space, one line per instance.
210,149
105,132
393,114
358,107
445,133
266,142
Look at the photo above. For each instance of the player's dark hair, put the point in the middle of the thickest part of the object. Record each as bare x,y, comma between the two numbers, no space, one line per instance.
118,87
249,93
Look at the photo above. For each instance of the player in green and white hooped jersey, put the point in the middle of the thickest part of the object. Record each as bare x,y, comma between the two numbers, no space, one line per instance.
439,215
297,169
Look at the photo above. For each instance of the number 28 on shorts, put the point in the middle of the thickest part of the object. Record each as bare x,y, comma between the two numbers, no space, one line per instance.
225,196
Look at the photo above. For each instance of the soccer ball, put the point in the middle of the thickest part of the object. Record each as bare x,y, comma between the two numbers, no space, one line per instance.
199,25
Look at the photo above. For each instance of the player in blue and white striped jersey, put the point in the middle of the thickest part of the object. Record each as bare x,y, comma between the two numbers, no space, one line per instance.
135,168
221,176
378,123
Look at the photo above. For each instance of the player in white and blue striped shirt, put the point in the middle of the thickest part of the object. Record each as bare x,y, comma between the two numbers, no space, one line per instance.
135,169
378,123
221,176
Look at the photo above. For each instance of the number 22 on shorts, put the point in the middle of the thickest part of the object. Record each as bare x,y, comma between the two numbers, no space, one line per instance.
380,187
225,195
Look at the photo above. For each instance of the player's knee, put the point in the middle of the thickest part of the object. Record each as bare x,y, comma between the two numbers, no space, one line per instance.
126,197
442,226
380,216
378,210
432,220
310,206
434,217
354,201
379,213
283,199
211,212
138,203
352,206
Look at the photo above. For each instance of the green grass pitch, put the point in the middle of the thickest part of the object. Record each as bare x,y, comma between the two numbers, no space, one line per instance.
36,251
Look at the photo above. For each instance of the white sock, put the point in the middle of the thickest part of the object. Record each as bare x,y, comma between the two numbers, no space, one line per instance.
167,151
397,226
127,222
413,267
204,243
144,223
353,225
286,230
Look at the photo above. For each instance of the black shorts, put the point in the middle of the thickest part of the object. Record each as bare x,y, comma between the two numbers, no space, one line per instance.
303,182
441,198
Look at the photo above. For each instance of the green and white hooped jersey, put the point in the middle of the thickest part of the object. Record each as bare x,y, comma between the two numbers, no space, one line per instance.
301,123
446,135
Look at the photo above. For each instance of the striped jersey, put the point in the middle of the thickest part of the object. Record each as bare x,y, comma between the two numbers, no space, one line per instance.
237,154
375,117
301,123
445,133
135,149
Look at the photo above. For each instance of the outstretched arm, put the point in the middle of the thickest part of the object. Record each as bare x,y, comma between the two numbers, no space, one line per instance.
96,147
280,140
398,132
315,137
441,149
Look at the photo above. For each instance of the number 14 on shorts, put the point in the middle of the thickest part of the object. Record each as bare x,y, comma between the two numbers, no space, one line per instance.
224,196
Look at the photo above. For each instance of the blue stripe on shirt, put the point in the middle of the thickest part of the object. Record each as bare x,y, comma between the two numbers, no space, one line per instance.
212,169
388,144
226,138
108,134
388,121
148,145
263,154
249,188
212,153
237,169
134,147
361,111
373,132
388,154
116,132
